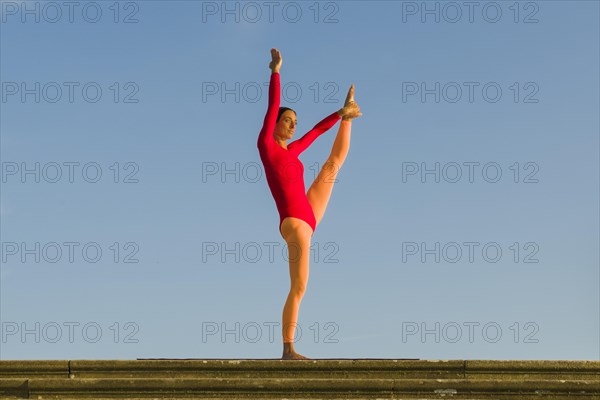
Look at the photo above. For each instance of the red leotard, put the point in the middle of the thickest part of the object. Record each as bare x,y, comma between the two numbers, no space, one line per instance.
283,169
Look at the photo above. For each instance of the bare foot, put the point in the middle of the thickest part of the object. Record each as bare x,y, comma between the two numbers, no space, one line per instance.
350,96
352,110
293,356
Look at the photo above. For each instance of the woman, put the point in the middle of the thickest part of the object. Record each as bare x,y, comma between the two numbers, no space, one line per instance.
299,212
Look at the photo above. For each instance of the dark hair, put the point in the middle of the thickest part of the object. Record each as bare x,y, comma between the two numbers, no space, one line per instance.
281,111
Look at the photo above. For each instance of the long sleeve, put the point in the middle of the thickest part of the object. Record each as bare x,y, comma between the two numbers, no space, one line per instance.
265,138
302,144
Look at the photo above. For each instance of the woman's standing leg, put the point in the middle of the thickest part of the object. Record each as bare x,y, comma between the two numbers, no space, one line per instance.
297,234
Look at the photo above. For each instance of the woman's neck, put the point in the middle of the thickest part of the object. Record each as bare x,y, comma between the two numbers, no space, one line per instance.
281,142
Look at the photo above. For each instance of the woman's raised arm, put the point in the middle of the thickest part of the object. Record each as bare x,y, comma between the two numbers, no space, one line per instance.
265,137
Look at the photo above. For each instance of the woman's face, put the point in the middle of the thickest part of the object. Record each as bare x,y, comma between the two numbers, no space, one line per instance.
286,126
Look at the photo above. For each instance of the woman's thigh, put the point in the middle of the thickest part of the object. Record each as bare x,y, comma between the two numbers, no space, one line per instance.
319,192
297,234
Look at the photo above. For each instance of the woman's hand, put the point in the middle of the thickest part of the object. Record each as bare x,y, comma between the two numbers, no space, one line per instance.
350,110
275,60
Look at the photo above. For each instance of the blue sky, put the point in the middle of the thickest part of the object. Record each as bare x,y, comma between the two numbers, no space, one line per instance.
156,232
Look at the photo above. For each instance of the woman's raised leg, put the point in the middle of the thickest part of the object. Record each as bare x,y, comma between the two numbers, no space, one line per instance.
320,191
297,234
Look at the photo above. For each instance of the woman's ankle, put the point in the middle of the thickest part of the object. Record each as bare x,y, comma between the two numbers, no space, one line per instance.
288,347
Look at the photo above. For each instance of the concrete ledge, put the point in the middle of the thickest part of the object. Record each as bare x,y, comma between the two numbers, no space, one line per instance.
301,379
350,369
30,368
